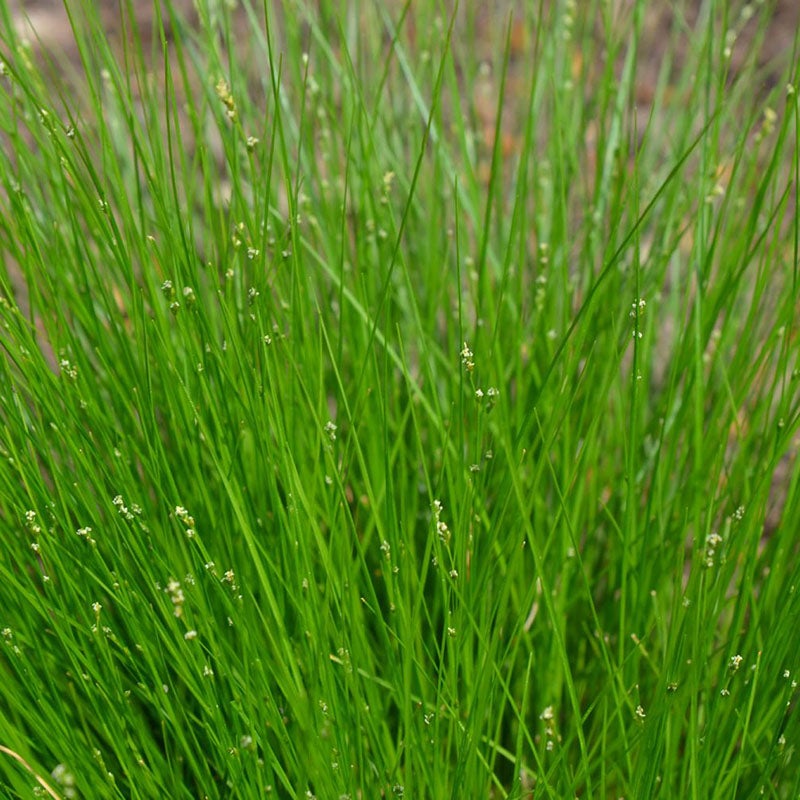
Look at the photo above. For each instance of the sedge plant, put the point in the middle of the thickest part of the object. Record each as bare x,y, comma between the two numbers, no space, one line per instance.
396,402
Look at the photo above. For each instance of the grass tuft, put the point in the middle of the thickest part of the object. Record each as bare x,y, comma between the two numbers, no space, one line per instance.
399,402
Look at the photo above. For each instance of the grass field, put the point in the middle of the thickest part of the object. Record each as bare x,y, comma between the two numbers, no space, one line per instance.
389,408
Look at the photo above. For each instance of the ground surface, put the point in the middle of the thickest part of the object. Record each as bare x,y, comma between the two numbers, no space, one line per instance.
51,25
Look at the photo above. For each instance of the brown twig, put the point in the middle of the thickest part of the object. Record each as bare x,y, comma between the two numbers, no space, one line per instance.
28,767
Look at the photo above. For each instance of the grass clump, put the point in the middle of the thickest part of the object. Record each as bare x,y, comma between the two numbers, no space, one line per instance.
383,416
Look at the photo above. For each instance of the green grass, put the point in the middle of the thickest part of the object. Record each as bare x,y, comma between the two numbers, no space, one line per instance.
360,441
